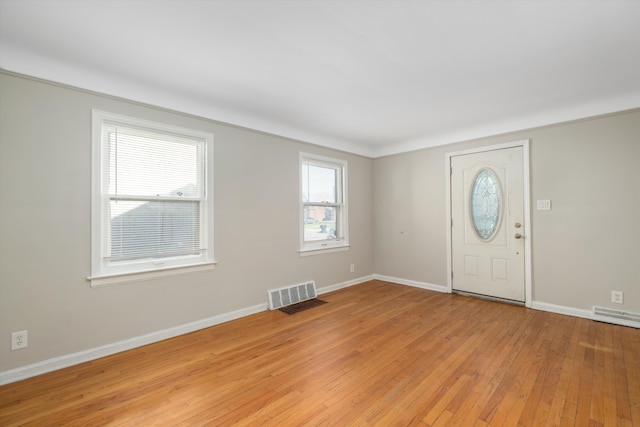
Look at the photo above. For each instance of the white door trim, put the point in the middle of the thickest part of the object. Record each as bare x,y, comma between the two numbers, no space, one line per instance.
527,210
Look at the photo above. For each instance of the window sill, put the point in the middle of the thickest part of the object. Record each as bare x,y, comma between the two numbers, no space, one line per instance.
310,252
101,280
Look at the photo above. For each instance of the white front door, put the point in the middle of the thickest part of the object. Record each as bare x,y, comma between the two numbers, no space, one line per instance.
487,214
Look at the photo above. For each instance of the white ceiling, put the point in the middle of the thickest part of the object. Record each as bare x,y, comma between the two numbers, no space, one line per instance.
369,77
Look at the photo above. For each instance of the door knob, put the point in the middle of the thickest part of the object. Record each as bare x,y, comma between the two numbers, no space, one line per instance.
518,236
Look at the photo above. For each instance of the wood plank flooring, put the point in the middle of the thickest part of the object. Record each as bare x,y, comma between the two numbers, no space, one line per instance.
377,354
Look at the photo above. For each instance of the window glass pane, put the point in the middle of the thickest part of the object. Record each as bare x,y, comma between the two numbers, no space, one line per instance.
144,164
320,223
319,184
157,228
485,204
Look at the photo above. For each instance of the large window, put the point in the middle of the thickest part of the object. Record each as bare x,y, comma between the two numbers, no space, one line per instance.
152,203
323,207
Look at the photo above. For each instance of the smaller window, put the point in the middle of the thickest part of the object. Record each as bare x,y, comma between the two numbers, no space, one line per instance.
323,203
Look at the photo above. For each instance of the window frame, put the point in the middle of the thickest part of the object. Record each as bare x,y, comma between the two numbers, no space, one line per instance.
341,242
105,272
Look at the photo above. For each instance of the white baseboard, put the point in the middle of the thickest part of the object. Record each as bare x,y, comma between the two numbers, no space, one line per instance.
621,322
586,314
561,309
67,360
346,284
535,305
415,284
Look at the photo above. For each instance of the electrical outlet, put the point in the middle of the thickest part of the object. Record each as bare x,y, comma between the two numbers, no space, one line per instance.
19,340
543,205
352,268
617,297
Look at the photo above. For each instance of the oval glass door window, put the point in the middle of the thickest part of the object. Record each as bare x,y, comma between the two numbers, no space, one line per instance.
485,204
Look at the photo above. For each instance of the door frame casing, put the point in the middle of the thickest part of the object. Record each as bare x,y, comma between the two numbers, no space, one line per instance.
527,210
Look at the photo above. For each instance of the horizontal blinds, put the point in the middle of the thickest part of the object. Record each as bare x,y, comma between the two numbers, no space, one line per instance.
146,163
155,186
154,229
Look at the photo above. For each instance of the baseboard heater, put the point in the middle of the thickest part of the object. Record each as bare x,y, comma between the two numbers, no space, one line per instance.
616,316
283,297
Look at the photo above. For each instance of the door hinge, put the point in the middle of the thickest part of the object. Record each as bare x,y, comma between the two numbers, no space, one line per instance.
452,274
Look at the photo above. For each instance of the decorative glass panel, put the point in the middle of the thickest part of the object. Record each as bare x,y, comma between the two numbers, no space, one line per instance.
485,204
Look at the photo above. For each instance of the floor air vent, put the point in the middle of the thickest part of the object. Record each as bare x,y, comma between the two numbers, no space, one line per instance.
291,295
616,316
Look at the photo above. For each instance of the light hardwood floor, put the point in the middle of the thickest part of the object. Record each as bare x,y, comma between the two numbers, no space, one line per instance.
376,354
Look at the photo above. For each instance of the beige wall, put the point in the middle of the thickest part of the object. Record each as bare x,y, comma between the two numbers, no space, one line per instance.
583,248
45,183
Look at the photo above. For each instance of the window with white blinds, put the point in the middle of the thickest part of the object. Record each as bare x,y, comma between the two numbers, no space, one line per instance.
153,204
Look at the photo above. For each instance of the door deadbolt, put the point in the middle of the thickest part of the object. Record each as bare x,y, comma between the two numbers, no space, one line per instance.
518,225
